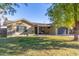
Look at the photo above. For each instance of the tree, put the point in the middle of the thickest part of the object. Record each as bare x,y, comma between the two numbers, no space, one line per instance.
8,8
67,15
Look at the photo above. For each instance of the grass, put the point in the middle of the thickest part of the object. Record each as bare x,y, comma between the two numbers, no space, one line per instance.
3,36
39,46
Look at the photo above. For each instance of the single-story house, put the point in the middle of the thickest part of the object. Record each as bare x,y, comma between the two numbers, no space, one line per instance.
21,27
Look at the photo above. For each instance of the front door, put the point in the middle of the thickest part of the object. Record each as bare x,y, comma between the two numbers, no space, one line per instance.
35,30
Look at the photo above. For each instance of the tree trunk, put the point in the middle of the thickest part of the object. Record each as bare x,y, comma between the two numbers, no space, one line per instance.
76,29
76,37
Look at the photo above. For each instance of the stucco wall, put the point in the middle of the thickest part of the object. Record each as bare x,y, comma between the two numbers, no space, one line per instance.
30,28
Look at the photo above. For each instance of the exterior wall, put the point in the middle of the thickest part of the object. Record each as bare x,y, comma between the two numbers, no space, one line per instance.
13,27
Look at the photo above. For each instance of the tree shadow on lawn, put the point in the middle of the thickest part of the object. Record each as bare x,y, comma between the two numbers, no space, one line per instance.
15,46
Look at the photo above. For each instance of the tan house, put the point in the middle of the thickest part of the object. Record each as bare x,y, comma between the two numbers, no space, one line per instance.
24,27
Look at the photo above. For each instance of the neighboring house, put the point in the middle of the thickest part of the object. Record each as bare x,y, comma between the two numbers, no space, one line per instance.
3,28
3,31
21,27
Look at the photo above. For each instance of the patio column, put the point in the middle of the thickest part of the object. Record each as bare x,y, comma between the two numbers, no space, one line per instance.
65,32
68,31
38,30
56,31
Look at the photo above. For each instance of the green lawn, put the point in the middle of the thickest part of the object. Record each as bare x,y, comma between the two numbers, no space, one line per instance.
39,46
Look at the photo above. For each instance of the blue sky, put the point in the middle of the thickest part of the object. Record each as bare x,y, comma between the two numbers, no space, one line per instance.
34,12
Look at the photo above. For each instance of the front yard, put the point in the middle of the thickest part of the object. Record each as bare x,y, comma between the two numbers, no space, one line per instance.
39,46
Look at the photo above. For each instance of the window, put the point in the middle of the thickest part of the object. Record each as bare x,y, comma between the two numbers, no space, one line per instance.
20,28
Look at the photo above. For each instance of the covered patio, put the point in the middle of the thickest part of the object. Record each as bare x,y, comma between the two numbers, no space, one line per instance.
42,29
